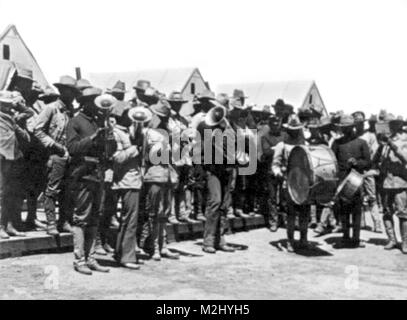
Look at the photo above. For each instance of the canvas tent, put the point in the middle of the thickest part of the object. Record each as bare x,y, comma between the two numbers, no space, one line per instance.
300,94
188,81
14,49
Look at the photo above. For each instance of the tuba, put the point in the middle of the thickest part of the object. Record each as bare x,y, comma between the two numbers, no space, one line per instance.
140,115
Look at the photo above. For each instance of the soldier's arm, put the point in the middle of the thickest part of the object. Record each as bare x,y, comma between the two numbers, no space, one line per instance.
278,157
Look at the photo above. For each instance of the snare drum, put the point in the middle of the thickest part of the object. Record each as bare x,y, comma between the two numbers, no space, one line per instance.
350,186
312,174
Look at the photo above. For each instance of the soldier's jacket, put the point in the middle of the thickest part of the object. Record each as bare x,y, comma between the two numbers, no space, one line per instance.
126,162
51,124
158,144
282,152
394,164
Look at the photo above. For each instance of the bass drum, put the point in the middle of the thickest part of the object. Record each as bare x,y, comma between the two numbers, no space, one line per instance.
312,174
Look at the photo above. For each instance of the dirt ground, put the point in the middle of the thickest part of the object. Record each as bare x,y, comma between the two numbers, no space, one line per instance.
261,269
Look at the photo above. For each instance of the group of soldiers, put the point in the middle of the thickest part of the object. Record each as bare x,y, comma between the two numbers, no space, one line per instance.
88,154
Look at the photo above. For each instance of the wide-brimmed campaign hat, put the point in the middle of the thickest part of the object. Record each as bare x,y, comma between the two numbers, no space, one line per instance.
48,95
83,84
119,87
176,96
238,94
89,94
346,120
142,84
7,97
359,116
24,72
162,108
140,114
293,123
67,82
206,94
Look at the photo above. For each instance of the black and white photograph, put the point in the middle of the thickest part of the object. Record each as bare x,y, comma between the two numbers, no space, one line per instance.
203,154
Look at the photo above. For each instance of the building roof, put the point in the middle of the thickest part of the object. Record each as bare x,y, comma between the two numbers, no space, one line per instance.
164,80
21,54
267,93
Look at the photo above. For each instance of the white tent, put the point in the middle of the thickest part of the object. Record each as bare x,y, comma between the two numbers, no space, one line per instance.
300,94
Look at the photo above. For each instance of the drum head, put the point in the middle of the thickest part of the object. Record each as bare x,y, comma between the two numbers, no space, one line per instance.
298,185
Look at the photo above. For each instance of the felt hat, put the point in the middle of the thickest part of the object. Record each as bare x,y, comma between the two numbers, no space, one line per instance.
119,87
83,84
346,120
89,94
142,84
23,72
48,94
162,108
238,94
176,96
206,94
66,81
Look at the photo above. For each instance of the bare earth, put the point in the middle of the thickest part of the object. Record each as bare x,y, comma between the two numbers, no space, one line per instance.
262,270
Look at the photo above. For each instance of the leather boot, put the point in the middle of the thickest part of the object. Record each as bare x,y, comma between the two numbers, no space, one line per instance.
3,233
81,267
162,243
403,232
392,244
95,266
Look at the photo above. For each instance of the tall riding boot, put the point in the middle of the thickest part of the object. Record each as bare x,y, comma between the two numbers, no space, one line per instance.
403,232
99,246
389,226
146,233
156,239
49,206
303,230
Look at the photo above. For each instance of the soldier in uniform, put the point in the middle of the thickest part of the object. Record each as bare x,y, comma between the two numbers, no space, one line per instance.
371,206
159,180
393,161
203,103
50,130
90,146
272,185
217,183
351,153
182,200
281,154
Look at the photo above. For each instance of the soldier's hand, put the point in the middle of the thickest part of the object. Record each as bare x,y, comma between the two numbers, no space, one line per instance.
60,150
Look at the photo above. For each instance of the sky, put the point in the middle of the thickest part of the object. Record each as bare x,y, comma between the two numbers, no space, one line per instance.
356,51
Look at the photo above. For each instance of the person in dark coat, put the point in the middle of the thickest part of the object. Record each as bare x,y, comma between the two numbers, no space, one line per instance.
13,136
352,153
90,146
